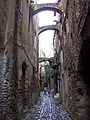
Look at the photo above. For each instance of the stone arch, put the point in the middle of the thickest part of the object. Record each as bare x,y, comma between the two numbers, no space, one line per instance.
44,61
46,8
48,28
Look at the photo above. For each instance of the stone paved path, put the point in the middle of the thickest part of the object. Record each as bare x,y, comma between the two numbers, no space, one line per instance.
47,110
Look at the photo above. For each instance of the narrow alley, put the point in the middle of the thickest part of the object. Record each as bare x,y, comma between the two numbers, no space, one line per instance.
44,59
48,110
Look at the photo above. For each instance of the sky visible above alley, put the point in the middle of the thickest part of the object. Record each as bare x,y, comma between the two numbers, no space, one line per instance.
46,38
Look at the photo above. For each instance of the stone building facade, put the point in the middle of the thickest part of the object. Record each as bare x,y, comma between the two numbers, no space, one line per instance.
18,59
75,62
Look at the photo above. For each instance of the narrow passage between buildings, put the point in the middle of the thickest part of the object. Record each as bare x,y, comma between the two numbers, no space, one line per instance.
47,110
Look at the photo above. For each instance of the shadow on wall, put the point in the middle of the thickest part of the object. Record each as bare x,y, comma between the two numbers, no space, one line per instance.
83,90
24,67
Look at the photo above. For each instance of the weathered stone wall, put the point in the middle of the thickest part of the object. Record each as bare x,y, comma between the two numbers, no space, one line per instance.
5,60
83,77
28,81
27,54
18,86
75,13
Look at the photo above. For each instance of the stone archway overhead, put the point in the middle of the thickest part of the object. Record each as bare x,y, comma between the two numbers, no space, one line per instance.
45,9
48,28
41,59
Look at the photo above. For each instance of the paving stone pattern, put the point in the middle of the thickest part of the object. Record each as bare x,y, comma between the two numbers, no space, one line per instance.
48,110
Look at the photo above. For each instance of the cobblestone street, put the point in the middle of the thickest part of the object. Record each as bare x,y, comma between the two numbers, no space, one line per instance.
48,110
